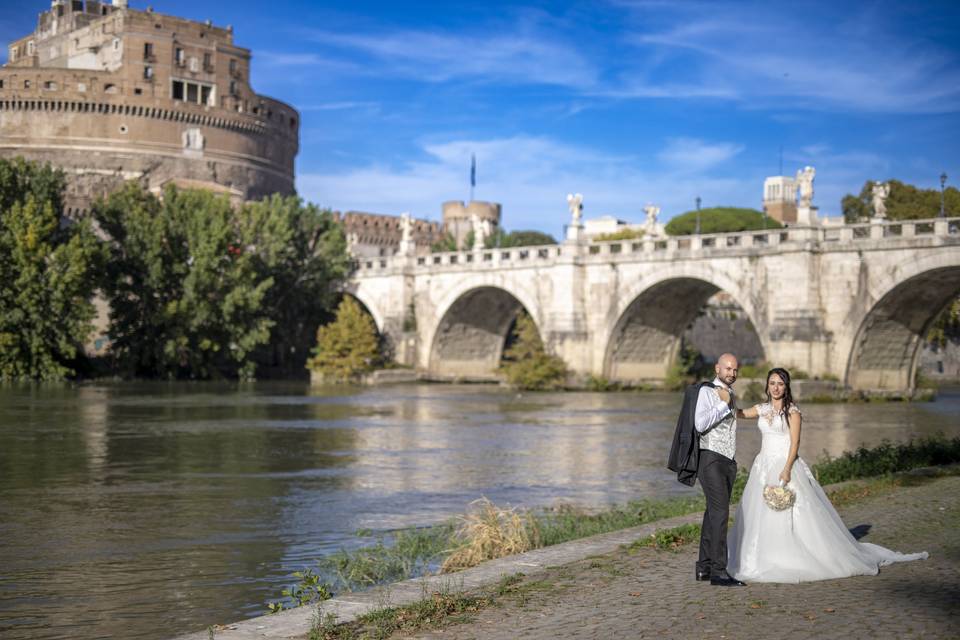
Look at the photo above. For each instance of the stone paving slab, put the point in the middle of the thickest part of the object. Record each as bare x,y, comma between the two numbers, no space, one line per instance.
597,590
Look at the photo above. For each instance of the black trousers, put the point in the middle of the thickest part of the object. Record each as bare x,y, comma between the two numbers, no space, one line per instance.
716,473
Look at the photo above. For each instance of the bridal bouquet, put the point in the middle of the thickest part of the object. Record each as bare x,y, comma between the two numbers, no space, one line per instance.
779,498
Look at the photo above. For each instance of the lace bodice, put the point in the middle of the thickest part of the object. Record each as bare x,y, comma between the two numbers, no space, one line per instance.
774,426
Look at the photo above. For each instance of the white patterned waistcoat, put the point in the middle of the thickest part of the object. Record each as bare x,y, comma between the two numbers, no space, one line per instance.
722,438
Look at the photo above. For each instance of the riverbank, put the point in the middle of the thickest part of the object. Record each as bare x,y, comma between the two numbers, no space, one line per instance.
750,389
607,585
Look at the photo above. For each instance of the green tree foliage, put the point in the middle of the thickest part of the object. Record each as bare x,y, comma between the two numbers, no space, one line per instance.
348,347
185,284
501,238
304,252
47,276
720,220
946,327
525,362
446,243
905,202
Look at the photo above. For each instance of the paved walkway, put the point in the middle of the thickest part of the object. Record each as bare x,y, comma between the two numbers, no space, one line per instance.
652,594
594,588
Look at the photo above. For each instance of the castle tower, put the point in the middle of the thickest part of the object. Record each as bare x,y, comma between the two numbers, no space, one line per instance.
780,198
458,218
109,93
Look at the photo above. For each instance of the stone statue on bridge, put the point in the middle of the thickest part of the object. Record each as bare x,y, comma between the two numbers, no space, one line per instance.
881,191
575,203
652,211
805,185
481,231
406,235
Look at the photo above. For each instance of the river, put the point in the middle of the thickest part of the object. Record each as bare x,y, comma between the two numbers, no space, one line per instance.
150,510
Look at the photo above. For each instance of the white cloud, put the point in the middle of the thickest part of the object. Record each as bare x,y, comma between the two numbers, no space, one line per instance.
521,55
531,176
859,64
689,155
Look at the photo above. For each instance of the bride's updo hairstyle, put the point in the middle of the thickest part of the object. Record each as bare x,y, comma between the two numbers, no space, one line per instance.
787,394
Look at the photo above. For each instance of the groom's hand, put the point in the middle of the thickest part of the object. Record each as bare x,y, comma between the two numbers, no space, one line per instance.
724,394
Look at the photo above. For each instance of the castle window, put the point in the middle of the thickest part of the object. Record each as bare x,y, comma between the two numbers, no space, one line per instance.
77,5
50,85
116,44
233,65
207,62
148,51
148,73
233,88
195,92
26,84
180,56
1,83
138,91
30,48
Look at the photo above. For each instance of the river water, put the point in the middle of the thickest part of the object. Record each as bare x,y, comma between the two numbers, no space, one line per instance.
150,510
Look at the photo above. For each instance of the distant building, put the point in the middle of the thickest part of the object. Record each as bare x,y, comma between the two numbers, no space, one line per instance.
109,93
780,199
375,235
458,218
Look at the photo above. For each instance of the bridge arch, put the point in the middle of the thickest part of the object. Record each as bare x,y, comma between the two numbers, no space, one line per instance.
368,303
644,336
883,353
468,339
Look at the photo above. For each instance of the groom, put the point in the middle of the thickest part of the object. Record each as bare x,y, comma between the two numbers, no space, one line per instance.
716,421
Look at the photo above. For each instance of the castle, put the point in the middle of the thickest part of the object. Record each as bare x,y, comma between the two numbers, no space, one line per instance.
109,93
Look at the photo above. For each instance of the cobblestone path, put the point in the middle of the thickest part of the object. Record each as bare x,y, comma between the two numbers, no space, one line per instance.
652,594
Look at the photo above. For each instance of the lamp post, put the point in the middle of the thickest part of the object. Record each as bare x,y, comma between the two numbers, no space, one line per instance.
698,215
943,181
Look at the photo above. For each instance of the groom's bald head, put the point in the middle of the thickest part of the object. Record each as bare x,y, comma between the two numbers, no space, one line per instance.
727,368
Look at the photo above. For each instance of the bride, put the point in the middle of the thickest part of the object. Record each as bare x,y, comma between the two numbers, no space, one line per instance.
807,541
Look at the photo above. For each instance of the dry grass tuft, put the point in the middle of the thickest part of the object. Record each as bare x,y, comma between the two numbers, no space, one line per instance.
487,532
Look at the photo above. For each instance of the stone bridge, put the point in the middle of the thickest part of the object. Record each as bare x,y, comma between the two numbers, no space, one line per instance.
851,302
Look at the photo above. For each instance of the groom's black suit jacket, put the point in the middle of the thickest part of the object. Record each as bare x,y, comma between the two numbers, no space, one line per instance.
685,451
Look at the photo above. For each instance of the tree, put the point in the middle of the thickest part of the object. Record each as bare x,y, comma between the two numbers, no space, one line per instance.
501,238
348,347
445,243
304,251
622,234
47,276
525,362
187,296
905,202
720,220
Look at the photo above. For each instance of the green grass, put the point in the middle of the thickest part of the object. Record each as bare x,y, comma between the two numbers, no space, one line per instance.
888,458
668,539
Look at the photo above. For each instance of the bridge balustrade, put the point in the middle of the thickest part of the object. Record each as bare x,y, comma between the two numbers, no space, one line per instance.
545,255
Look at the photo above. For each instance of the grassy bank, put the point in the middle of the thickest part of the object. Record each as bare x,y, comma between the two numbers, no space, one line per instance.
488,532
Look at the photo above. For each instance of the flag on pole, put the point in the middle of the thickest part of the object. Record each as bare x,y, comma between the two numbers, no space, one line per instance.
473,170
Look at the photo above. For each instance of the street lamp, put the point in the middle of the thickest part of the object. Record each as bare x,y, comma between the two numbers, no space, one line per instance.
943,181
698,215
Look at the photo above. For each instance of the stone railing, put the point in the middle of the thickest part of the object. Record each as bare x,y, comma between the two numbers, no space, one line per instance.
673,247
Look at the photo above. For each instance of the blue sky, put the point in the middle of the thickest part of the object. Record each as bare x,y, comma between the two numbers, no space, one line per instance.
627,102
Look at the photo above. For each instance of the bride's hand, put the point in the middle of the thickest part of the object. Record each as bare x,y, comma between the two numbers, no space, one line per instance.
785,476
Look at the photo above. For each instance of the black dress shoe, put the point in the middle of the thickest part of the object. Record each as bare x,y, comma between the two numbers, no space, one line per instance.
703,576
725,580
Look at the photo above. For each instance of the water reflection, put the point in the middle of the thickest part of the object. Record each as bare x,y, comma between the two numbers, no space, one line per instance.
146,510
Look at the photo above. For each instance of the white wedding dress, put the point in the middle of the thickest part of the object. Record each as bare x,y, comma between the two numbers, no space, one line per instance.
806,542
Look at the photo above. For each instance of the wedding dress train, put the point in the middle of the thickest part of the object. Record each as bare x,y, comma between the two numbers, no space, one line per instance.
806,542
